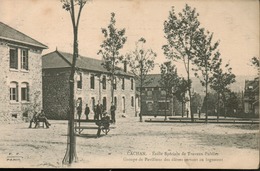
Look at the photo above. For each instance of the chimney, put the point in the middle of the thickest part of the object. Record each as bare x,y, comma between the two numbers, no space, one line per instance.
125,66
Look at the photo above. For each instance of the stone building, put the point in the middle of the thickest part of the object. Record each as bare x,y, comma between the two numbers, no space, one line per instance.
92,85
21,74
154,102
251,97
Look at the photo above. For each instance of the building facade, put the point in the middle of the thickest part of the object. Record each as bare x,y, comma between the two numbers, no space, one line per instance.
251,97
154,102
21,74
91,85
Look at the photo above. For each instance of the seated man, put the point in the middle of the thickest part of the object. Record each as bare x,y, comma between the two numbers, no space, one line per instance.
42,118
34,119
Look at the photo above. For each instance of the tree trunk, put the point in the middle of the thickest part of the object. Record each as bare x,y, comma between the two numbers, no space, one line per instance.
189,89
206,97
182,111
71,155
165,113
218,108
141,107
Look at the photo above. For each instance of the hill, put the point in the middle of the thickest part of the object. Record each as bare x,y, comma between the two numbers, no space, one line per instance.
239,85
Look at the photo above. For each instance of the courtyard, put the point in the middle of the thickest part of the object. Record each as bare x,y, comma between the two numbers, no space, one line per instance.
133,144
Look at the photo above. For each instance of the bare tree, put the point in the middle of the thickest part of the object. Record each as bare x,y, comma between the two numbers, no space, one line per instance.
69,5
141,62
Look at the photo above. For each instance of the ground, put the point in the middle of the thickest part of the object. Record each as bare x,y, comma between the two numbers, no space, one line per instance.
134,144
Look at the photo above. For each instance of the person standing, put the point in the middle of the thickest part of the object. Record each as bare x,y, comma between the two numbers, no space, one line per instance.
99,111
87,111
79,109
113,112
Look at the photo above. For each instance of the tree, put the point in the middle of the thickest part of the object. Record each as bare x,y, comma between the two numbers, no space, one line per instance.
182,88
69,5
179,33
196,102
141,62
205,53
169,80
220,82
255,63
110,50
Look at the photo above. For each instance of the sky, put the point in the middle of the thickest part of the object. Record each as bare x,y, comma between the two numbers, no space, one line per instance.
235,23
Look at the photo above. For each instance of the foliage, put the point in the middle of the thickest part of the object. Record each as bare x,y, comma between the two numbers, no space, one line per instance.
141,62
211,103
255,62
169,78
179,32
196,101
110,49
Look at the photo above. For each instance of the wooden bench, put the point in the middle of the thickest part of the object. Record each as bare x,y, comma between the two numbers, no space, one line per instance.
101,125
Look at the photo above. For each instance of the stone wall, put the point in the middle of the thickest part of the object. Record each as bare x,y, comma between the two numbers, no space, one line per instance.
56,93
14,110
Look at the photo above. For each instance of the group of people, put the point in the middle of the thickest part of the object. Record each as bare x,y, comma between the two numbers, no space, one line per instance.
99,111
39,117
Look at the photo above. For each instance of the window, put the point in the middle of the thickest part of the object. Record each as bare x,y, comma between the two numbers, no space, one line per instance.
163,105
123,104
104,82
24,59
149,92
104,103
114,83
132,84
14,91
132,101
93,102
79,81
25,92
13,58
123,83
163,92
115,101
149,106
92,81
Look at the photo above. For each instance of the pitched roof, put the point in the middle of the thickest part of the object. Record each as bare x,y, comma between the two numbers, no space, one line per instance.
10,34
153,80
58,59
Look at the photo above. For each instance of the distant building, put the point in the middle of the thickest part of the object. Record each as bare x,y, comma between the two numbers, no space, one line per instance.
21,74
91,85
251,97
154,102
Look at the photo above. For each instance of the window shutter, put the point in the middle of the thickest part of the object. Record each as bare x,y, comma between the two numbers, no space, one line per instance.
17,93
16,59
27,60
28,93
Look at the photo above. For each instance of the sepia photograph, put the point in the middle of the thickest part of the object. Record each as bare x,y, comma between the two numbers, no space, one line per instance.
170,84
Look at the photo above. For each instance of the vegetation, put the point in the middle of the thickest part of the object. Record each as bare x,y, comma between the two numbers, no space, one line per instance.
141,62
110,50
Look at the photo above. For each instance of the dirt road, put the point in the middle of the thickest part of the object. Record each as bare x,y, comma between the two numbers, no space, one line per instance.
135,145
